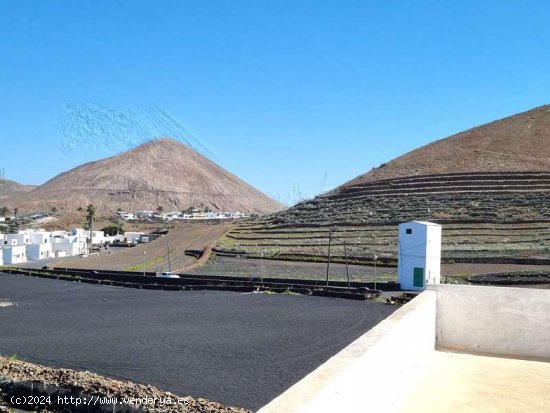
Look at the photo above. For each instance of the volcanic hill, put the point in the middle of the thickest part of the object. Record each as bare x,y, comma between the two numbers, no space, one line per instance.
489,185
11,189
516,143
162,172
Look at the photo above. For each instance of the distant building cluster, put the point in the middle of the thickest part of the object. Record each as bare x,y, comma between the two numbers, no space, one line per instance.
34,245
177,215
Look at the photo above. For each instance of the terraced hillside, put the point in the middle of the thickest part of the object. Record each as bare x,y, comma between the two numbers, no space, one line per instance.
489,186
488,217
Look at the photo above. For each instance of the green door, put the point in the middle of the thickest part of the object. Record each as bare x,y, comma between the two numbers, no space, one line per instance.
418,280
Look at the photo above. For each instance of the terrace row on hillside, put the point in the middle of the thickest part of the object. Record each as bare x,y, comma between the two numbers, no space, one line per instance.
488,217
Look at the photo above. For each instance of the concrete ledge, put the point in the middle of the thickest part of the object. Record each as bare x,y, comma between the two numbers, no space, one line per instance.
373,373
495,320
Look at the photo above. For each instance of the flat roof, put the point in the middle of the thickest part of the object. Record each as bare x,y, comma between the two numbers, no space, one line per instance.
421,222
469,383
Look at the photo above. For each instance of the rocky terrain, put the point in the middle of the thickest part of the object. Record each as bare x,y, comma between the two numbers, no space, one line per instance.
162,172
80,383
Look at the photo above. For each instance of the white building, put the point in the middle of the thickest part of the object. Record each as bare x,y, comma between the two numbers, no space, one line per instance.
16,254
98,237
144,214
37,252
66,247
419,254
131,237
127,216
17,239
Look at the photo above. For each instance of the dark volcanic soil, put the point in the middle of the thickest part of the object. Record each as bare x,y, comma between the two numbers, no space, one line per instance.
237,349
95,385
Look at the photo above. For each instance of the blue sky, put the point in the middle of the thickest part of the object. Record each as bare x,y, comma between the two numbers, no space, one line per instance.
282,92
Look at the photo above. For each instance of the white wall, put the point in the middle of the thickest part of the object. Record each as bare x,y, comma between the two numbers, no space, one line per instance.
499,320
14,255
40,237
17,239
71,246
133,236
37,252
433,254
372,374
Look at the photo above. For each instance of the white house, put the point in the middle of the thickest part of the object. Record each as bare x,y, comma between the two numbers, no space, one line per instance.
132,236
65,247
144,214
37,252
419,254
98,237
14,255
40,237
17,239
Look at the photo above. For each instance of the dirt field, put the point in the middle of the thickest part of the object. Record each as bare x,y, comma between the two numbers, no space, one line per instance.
240,267
153,256
236,349
471,269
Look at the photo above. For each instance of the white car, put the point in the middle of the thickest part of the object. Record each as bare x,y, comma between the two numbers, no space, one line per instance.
168,275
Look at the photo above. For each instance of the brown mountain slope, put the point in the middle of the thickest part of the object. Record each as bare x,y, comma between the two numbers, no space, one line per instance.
11,189
517,143
162,172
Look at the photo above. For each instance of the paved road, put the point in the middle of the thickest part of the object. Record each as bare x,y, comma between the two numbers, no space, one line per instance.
239,349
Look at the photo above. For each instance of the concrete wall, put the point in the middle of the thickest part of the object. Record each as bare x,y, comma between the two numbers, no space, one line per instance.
498,320
374,372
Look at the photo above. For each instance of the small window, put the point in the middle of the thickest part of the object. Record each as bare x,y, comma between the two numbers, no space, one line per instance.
408,231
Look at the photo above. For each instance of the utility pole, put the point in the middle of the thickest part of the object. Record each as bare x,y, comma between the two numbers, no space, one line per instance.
262,268
375,258
347,270
169,263
144,261
328,256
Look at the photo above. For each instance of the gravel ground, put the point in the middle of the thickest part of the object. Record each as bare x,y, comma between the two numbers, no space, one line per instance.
103,388
236,349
